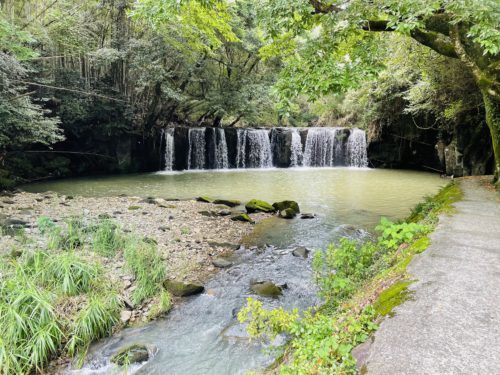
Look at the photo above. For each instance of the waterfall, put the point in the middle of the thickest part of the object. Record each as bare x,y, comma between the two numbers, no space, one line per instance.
296,155
224,148
196,153
241,142
221,158
169,149
259,153
321,147
356,149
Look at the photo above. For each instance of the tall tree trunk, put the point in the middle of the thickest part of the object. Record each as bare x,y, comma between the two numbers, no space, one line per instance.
492,107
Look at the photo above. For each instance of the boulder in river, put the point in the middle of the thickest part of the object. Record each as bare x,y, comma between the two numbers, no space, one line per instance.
287,205
307,216
243,217
289,213
181,289
227,202
135,353
301,252
266,289
256,205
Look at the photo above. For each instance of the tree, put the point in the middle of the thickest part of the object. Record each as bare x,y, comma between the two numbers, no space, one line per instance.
467,30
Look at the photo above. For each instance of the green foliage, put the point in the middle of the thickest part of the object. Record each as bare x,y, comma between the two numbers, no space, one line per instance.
107,239
143,259
45,224
95,321
393,235
432,206
340,269
163,305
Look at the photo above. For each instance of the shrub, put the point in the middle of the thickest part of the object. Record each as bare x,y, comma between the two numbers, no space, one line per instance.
393,235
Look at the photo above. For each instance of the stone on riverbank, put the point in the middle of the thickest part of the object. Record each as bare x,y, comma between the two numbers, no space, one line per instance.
243,217
135,353
180,289
221,262
227,202
256,205
289,213
205,199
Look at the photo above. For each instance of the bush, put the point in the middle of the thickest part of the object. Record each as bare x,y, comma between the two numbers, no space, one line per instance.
393,235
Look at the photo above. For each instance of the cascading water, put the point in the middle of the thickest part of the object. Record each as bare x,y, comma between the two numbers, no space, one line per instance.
224,148
259,153
241,142
169,149
296,155
320,150
356,149
196,153
222,161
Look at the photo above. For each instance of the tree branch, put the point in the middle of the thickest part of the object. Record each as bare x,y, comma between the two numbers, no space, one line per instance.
320,8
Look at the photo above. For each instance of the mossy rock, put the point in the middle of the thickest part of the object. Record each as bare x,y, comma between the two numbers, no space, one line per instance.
287,205
227,202
205,199
133,208
243,217
289,213
266,289
180,289
256,205
392,297
135,353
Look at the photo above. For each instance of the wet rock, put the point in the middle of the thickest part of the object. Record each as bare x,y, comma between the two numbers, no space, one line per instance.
243,217
208,213
227,202
256,205
289,213
135,353
266,289
181,289
307,216
287,205
301,252
221,262
205,199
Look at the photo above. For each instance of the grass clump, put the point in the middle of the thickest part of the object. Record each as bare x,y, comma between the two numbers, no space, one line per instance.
144,261
163,305
360,283
106,239
95,321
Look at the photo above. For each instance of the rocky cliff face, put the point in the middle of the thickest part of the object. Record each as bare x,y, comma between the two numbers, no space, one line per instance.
462,151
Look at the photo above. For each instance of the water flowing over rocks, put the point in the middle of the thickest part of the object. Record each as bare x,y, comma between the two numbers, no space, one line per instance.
224,148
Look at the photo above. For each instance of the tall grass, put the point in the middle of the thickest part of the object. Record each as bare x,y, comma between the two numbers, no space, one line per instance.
93,322
106,239
144,261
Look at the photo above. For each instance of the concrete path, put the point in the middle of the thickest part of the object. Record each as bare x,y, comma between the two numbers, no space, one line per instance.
452,325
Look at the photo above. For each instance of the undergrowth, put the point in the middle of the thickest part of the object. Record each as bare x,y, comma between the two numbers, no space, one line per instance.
359,283
58,299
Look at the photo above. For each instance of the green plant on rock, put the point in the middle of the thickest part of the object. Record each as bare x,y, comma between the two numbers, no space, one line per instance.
164,305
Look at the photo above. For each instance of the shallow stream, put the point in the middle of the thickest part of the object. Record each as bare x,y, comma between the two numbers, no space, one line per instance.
201,336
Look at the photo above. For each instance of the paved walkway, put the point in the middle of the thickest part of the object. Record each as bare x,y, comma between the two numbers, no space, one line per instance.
452,325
